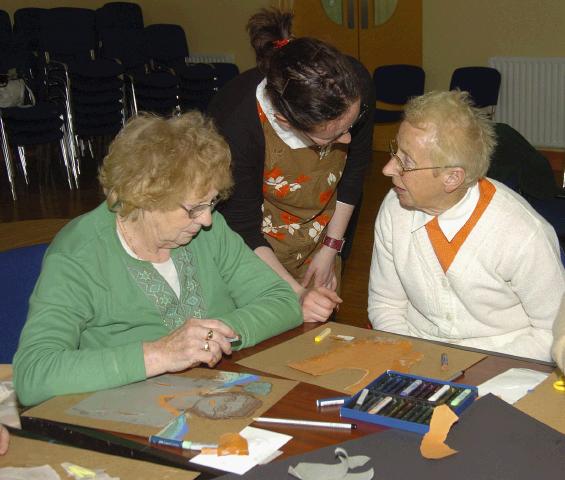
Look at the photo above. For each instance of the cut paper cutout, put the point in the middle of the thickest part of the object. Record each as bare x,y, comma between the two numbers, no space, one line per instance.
372,356
81,473
433,444
232,444
339,471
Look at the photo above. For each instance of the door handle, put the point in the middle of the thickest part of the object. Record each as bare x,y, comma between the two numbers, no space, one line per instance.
364,14
350,14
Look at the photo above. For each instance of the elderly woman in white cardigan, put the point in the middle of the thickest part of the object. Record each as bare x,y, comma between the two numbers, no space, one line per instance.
558,348
459,257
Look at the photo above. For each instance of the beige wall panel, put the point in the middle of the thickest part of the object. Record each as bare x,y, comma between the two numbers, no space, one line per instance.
468,32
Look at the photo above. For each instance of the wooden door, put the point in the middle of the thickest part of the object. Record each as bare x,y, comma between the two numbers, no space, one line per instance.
377,32
333,21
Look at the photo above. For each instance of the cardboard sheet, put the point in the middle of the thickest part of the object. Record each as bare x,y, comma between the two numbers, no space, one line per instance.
494,440
545,404
102,410
24,452
275,360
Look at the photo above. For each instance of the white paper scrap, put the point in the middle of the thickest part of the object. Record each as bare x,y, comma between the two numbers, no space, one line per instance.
262,445
512,384
44,472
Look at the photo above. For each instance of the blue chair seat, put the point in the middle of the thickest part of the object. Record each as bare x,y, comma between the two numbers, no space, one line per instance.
19,269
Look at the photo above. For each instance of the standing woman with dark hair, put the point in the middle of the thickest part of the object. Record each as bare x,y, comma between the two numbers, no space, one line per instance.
300,130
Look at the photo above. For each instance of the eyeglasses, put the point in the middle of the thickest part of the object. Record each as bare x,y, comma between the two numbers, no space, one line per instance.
362,112
402,169
199,209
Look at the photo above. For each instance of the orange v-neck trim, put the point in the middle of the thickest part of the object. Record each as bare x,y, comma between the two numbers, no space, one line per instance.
261,113
444,249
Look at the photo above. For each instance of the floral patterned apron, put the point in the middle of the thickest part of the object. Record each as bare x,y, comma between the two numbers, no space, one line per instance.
299,191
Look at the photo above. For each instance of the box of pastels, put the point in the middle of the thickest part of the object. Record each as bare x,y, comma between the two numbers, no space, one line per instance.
399,400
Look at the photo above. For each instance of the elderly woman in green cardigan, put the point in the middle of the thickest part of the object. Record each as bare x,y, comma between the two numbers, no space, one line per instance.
151,281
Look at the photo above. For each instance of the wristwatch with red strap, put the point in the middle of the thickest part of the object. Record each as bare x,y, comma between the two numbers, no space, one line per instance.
334,243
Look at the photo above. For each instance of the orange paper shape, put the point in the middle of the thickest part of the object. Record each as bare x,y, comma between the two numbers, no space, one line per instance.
433,444
232,444
372,356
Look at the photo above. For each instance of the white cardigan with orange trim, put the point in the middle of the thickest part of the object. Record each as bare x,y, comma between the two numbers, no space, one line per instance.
501,293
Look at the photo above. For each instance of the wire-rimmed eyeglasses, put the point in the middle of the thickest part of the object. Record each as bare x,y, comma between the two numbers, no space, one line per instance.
197,210
402,169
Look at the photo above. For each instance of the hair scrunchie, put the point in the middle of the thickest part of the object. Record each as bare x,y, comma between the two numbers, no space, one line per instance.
281,43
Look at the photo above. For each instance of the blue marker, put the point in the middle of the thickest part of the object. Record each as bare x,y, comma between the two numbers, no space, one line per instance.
184,444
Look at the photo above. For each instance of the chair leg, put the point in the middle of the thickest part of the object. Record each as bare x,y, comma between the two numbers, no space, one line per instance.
22,155
66,162
69,154
8,159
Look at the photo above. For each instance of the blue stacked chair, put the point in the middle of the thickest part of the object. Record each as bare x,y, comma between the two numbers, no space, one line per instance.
482,83
168,50
120,30
93,87
395,85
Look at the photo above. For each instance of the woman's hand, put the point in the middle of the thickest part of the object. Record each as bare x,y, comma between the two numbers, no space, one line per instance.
318,303
4,440
322,269
197,341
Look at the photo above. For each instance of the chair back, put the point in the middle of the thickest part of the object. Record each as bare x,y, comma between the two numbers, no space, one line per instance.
166,43
395,85
482,83
68,33
20,269
119,16
27,25
5,29
125,45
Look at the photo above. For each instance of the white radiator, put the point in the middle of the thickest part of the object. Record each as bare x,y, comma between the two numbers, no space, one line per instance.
532,98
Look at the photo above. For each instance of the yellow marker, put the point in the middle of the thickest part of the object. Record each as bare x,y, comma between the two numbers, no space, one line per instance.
559,385
322,335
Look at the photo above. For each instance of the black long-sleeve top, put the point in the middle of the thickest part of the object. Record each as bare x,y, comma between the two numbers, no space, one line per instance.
234,109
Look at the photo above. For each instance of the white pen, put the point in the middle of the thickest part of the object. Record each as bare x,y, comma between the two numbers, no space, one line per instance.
307,423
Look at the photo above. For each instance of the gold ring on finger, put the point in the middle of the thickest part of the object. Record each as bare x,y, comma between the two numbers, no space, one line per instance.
206,347
210,334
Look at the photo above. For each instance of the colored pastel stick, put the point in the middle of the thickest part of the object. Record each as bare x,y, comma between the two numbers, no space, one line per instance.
410,388
459,398
380,405
361,399
438,394
414,413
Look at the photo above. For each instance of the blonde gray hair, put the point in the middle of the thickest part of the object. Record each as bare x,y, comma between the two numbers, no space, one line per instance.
154,163
463,135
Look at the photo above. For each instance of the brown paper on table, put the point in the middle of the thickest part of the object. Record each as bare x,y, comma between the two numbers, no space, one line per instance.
433,444
25,452
365,355
545,404
275,360
5,371
200,429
